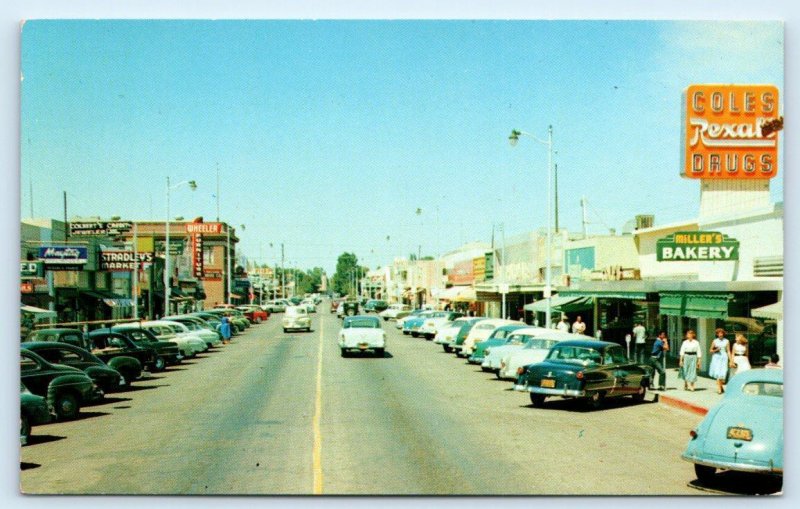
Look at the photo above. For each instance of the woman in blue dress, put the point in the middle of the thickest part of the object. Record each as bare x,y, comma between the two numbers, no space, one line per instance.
720,359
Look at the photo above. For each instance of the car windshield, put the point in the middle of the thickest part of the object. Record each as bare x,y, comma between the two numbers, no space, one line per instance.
294,310
540,344
771,389
584,355
362,323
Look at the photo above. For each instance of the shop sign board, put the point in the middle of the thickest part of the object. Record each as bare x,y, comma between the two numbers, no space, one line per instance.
212,275
731,131
99,228
63,257
461,273
206,228
31,269
197,255
176,246
26,287
123,261
697,246
479,268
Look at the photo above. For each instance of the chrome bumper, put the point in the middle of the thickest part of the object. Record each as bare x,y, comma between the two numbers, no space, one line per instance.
551,392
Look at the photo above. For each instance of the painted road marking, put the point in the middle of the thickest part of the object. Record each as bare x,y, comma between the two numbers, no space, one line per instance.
316,456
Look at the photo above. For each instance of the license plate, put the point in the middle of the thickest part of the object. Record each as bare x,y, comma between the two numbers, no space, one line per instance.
740,434
363,346
550,384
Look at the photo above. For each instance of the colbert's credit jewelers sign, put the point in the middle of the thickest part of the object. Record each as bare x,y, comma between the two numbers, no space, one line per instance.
731,131
697,246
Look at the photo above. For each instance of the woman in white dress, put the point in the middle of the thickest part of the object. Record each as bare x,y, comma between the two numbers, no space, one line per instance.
741,353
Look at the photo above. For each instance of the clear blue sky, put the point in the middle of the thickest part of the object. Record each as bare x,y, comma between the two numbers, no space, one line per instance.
329,135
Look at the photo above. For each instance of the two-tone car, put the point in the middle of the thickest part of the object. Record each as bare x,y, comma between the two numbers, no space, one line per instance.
498,337
254,313
361,333
296,318
744,431
446,334
375,306
431,325
513,362
393,311
400,321
493,356
458,341
480,331
586,370
412,324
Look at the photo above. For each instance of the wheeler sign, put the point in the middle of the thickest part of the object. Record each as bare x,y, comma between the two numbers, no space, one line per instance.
697,246
203,227
123,261
731,131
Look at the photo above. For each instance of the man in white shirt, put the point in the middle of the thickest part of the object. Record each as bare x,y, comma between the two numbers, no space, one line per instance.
579,327
563,326
640,337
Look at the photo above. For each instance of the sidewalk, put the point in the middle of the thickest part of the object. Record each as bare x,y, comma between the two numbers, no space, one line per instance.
699,402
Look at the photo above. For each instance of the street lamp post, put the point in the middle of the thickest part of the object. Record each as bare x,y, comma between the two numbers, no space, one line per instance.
167,288
515,134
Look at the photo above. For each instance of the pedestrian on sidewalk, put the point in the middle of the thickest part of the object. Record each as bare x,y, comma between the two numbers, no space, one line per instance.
741,352
579,327
225,330
689,361
640,336
563,326
657,358
720,359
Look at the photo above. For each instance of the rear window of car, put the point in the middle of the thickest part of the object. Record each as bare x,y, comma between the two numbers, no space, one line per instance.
362,323
763,389
294,310
582,354
539,343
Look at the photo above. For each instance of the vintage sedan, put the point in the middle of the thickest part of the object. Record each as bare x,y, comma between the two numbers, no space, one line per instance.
744,431
190,328
361,333
393,310
481,331
65,388
33,410
448,332
375,306
189,346
458,341
62,335
109,345
431,325
408,315
106,376
254,313
167,352
296,318
585,369
493,356
514,361
498,337
412,324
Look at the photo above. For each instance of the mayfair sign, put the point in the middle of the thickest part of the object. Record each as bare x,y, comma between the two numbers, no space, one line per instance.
697,246
731,131
63,257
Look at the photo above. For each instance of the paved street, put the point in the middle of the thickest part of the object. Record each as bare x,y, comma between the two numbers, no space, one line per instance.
254,417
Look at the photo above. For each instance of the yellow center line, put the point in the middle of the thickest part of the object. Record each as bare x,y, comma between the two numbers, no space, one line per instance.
317,450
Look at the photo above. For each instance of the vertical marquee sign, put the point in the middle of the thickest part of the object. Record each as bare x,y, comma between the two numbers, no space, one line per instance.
196,230
731,132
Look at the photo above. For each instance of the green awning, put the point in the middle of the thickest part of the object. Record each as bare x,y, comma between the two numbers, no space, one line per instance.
695,305
607,295
560,303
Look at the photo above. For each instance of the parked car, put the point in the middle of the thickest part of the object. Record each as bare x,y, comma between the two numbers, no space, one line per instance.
406,315
296,318
310,305
167,352
275,306
33,410
238,320
62,335
430,326
198,327
744,431
106,376
65,388
448,332
412,324
362,333
375,306
498,337
213,320
513,362
350,308
493,356
254,313
109,345
391,312
191,329
458,341
189,346
585,369
481,331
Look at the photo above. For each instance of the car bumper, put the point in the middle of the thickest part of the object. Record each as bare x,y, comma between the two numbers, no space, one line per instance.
752,466
572,393
475,360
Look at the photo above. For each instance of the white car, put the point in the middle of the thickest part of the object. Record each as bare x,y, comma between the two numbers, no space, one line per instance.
192,329
361,333
188,346
393,310
296,318
433,323
493,356
310,305
340,310
480,331
447,334
534,351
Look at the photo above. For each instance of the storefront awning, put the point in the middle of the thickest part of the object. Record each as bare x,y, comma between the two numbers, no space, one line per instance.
560,303
40,314
695,305
771,311
604,295
451,293
119,303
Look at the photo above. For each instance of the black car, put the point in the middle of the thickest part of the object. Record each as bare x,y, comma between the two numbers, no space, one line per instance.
350,308
33,410
584,369
375,306
62,335
65,388
167,352
106,376
107,345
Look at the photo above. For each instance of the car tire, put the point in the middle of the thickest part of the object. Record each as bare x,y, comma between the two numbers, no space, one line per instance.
447,348
285,330
406,332
415,334
160,364
704,473
379,353
24,429
537,400
67,407
128,376
595,401
639,396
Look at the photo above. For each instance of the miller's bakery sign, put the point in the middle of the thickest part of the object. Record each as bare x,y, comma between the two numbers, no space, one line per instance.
731,131
697,246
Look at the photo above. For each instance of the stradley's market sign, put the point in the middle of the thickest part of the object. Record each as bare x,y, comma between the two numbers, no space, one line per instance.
697,246
731,131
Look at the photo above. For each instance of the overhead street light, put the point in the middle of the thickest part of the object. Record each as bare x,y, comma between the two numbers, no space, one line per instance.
167,287
513,139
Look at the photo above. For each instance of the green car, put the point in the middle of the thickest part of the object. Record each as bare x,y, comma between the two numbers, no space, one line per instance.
106,376
33,410
65,388
457,344
499,337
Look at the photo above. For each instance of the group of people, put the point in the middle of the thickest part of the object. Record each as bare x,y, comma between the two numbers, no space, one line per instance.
578,326
724,357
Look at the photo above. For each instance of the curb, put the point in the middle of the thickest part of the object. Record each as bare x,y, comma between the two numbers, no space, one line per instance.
683,405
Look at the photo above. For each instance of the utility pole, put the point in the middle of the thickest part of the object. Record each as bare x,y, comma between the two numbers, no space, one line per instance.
556,193
218,192
283,275
583,220
66,225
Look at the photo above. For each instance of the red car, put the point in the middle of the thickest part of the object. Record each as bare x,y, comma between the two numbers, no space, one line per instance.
254,313
335,304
